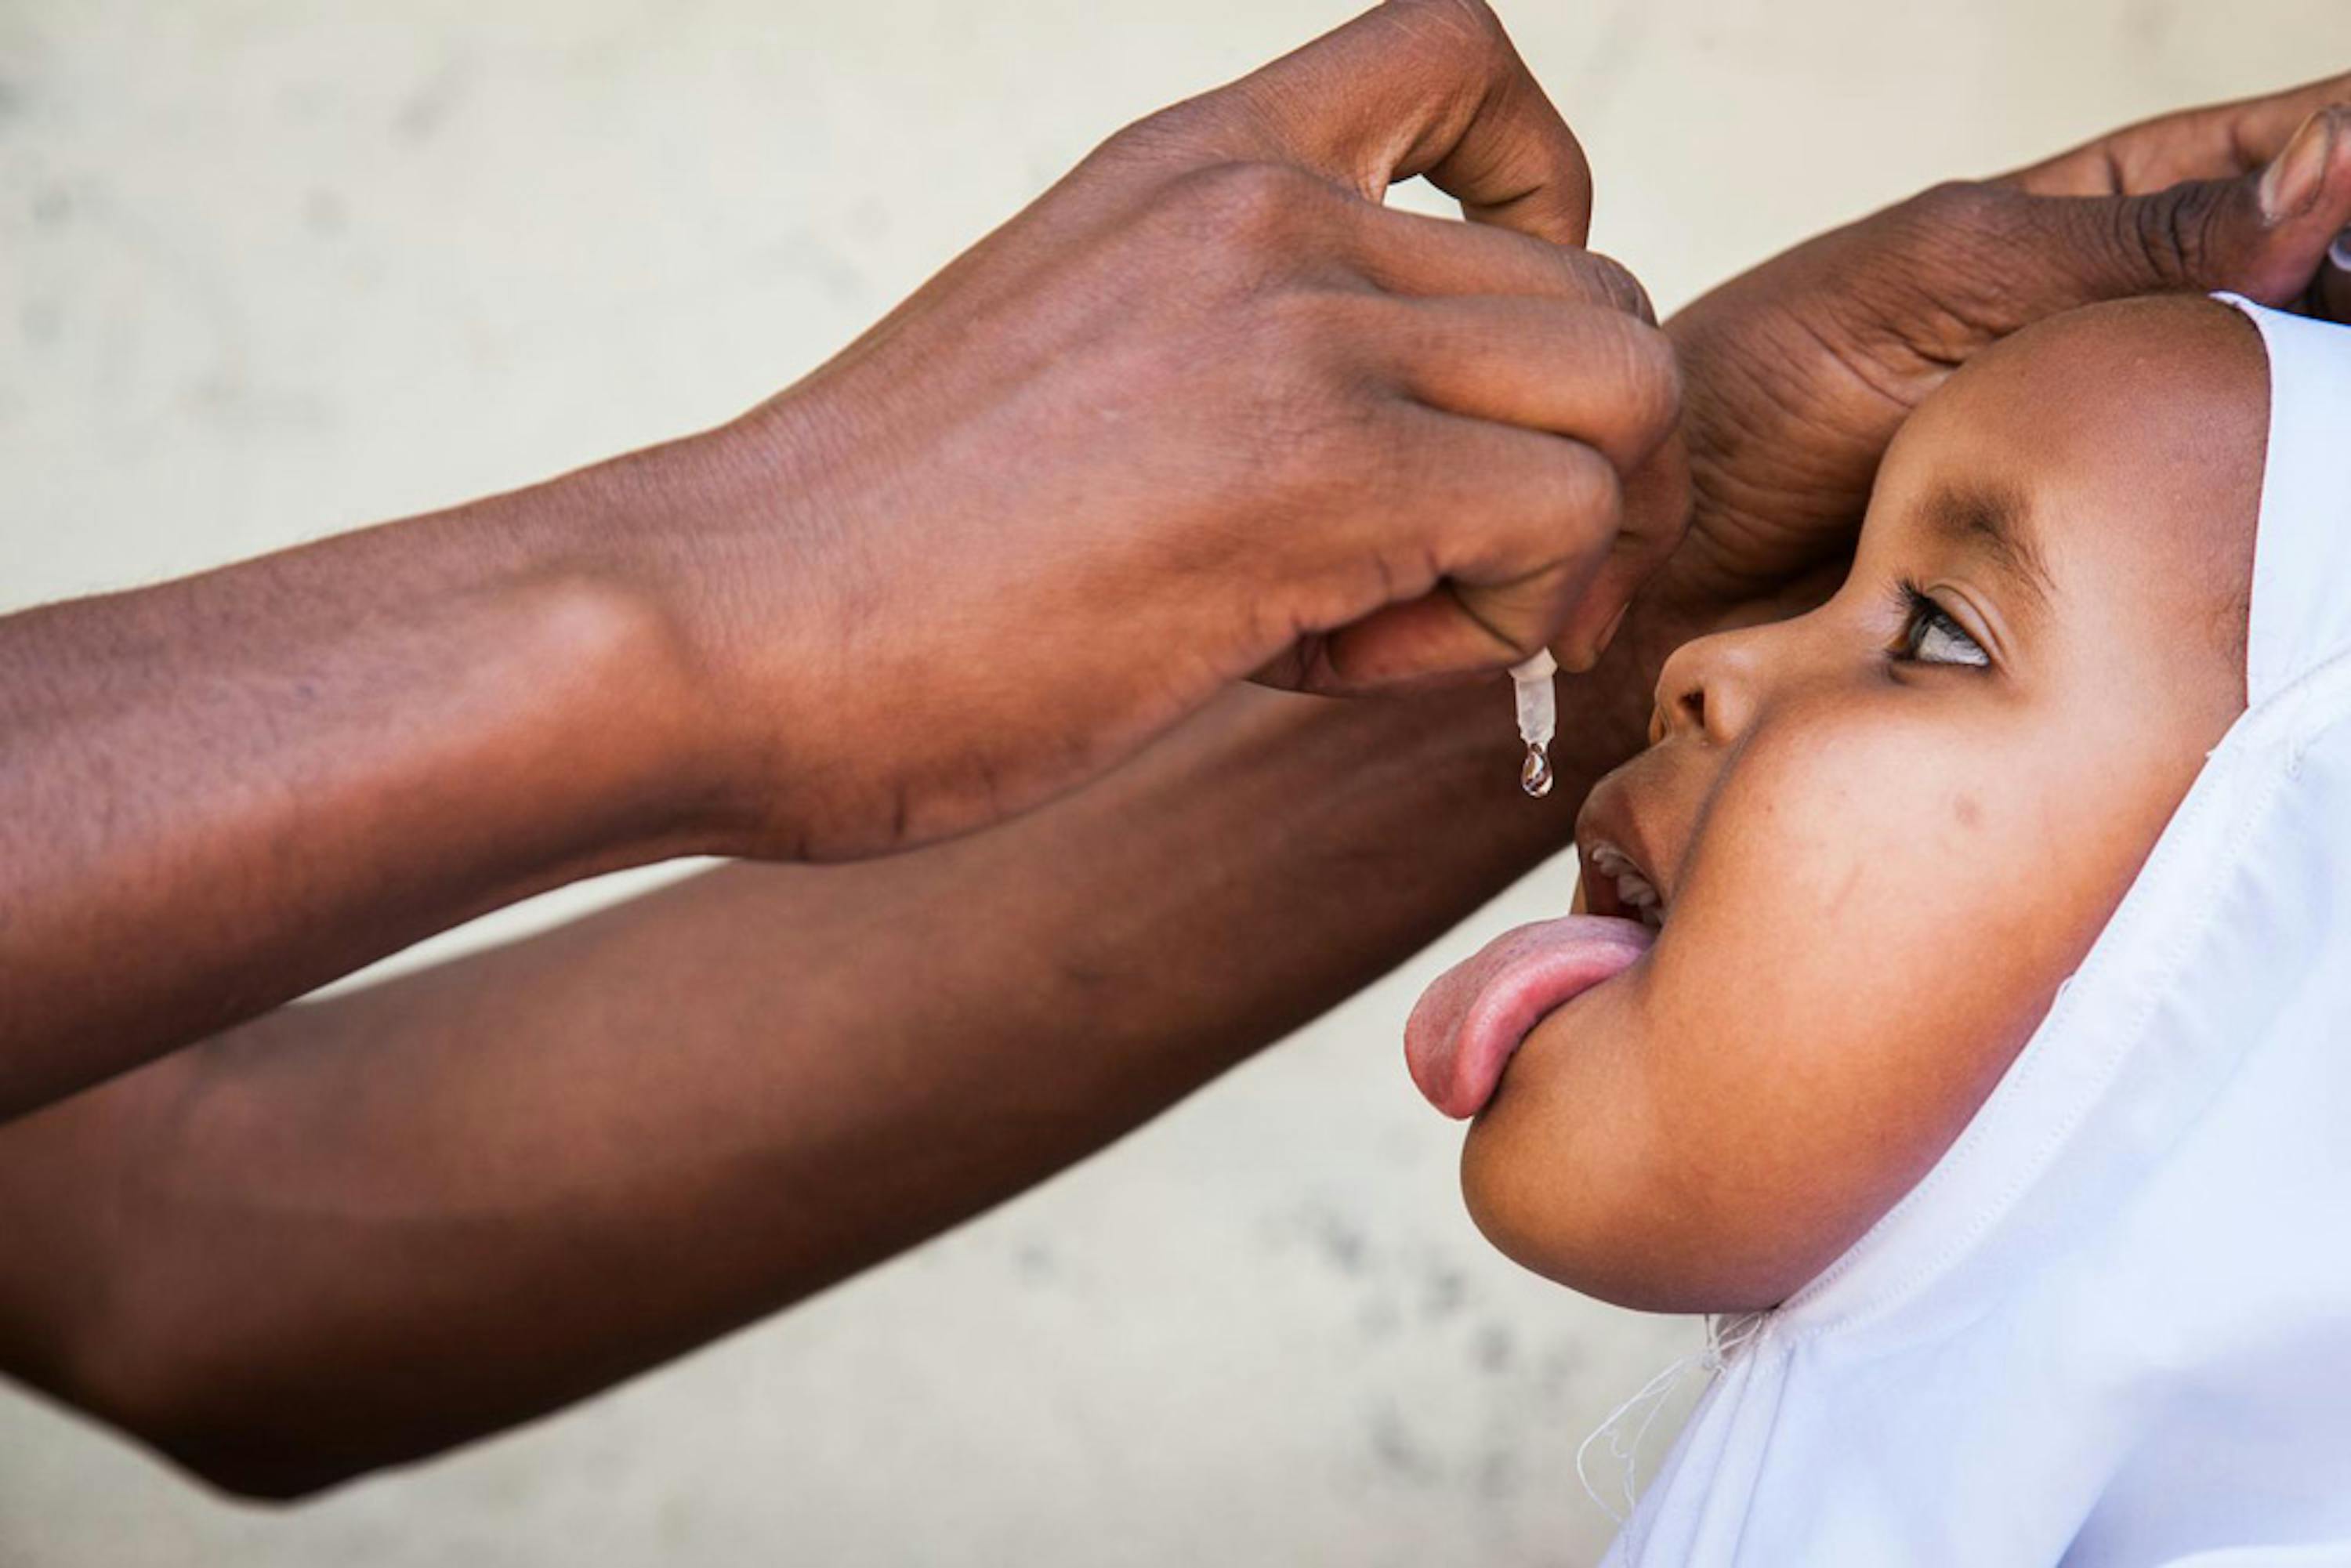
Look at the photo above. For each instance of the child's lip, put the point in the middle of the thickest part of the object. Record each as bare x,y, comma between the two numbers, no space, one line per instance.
1469,1024
1607,822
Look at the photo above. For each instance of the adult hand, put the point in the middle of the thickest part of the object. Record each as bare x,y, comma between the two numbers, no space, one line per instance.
1800,372
1206,410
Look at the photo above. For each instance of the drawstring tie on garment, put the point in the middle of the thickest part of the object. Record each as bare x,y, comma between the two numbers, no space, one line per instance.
1727,1334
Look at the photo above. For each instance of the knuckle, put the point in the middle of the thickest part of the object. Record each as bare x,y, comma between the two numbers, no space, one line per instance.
1161,134
1969,232
1946,262
1642,373
2169,233
1613,283
1471,25
1248,204
1959,207
1657,379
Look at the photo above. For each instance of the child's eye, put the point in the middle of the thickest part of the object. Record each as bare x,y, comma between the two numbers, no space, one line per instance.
1929,635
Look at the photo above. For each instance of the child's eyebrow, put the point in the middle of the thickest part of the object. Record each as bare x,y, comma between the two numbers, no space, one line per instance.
1997,520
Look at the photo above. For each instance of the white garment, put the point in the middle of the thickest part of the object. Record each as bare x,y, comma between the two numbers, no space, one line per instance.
2112,1326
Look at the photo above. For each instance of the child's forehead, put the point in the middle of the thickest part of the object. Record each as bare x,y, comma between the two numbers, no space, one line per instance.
2132,431
2168,379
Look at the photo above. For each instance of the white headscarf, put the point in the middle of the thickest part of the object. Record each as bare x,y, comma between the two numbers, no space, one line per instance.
2112,1326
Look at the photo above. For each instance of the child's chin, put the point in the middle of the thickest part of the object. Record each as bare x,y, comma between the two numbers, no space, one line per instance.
1540,1214
1556,1220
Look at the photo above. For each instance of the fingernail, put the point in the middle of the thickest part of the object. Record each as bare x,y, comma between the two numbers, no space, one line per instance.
2291,184
1608,632
1583,660
2339,253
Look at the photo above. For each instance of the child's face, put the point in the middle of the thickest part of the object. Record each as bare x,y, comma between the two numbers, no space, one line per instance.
1884,831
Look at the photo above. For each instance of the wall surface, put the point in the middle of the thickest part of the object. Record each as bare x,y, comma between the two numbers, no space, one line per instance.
272,269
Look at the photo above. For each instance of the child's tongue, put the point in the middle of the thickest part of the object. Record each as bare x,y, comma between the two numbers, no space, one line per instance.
1466,1026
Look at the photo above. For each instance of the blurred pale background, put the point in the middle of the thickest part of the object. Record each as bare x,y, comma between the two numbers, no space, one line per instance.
271,269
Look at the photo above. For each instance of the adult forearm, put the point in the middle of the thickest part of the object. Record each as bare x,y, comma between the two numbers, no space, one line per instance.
220,792
365,1229
1207,408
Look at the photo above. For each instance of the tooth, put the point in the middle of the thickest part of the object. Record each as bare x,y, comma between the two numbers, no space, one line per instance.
1636,891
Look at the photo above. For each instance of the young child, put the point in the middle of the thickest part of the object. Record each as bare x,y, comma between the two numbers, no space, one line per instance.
1966,988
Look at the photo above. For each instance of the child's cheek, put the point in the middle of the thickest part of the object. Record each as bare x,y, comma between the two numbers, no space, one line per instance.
1866,923
1836,989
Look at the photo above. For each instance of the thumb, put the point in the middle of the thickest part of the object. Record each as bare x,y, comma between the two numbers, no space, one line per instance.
2262,235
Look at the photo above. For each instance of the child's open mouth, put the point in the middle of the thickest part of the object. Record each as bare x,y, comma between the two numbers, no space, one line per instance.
1471,1021
1614,883
1468,1025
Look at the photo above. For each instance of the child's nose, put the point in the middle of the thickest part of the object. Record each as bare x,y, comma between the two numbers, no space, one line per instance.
1708,687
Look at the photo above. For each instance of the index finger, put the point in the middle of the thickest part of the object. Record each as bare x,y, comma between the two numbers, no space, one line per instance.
1426,88
2216,142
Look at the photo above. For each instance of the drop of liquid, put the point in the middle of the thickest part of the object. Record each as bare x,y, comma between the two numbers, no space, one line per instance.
1535,777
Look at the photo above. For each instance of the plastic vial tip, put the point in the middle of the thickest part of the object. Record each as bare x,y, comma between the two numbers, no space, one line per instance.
1535,776
1538,721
